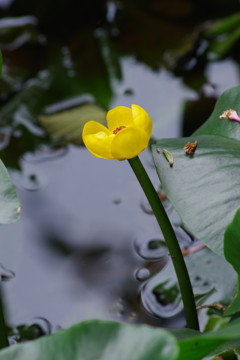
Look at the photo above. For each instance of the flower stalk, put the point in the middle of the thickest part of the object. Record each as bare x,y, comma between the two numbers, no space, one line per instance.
171,241
3,330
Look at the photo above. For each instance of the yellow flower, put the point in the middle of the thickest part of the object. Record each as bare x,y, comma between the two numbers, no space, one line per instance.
128,133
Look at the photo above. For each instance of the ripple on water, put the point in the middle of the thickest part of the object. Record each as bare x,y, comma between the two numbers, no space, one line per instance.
151,247
31,179
162,300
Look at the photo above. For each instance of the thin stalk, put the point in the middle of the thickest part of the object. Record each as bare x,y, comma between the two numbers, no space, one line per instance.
3,330
171,241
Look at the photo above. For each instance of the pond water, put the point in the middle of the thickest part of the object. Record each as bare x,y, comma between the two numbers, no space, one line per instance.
87,245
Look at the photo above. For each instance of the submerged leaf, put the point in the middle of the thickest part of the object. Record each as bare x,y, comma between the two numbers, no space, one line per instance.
67,125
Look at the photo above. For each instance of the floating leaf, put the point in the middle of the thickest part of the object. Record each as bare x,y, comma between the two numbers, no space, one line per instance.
67,125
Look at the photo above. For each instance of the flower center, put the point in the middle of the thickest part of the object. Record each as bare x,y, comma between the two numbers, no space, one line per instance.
118,129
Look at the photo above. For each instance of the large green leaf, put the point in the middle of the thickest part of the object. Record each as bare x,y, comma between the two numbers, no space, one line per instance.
195,348
99,340
223,127
9,203
106,340
231,252
204,187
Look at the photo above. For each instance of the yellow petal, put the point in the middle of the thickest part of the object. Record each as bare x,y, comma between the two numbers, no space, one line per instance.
93,127
119,116
97,139
142,119
129,142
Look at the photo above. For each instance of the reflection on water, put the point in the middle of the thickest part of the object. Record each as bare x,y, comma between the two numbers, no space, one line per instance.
36,328
163,299
75,256
151,247
87,245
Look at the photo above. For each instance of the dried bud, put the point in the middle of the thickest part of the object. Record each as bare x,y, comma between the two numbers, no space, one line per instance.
230,114
190,147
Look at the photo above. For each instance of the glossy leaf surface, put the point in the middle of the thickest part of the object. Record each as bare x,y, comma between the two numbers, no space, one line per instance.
204,187
105,340
195,348
231,252
99,340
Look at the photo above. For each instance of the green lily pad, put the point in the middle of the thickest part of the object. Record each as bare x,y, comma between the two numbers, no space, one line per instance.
98,340
204,187
67,125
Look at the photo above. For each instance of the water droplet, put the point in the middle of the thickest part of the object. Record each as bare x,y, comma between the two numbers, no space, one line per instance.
151,247
142,274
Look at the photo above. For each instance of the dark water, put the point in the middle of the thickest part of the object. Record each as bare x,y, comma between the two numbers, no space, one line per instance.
87,245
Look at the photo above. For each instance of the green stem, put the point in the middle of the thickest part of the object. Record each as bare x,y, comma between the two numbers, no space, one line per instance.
3,330
171,241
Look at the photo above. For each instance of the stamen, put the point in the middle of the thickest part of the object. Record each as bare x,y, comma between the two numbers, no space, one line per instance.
118,129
